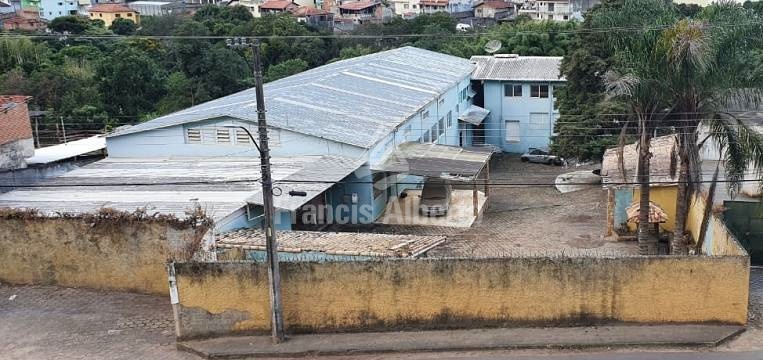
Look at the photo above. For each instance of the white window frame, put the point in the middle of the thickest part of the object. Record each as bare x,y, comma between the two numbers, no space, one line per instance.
515,138
535,125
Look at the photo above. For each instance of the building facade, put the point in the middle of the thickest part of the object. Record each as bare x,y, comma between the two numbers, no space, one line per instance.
360,108
519,93
16,143
108,13
51,9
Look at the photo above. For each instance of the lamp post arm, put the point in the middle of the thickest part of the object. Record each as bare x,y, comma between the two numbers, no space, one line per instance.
251,137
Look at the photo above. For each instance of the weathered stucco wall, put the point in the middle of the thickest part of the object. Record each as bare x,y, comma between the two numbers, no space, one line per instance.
126,255
232,297
718,240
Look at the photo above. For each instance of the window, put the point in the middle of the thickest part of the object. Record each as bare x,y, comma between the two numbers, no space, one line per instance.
450,117
407,133
426,138
550,6
129,14
442,127
223,136
464,93
193,136
512,131
379,184
274,138
539,121
442,102
457,109
539,91
117,15
512,90
434,132
425,115
405,6
242,138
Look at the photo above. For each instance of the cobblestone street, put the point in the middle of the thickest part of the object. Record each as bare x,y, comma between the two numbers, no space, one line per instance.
49,322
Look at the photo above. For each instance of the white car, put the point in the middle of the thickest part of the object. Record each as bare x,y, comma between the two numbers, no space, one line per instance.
463,27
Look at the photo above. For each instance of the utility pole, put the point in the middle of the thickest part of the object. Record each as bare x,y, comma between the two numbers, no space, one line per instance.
63,128
271,247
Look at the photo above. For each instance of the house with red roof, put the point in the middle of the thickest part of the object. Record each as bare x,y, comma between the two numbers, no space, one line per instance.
314,17
108,13
277,6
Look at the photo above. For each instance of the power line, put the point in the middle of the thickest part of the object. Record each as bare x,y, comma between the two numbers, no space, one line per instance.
481,183
365,36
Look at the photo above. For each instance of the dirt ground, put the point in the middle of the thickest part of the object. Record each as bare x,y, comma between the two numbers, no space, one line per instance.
530,219
534,218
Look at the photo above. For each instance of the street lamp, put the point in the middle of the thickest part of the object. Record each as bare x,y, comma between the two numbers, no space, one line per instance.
271,247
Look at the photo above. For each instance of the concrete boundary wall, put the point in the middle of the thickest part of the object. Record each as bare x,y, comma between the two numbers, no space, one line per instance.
226,298
117,251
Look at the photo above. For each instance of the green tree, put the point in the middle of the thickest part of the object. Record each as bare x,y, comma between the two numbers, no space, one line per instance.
284,69
123,26
72,24
636,78
710,71
130,82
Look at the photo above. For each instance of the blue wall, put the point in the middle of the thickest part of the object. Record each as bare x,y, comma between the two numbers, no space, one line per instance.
171,141
623,199
504,108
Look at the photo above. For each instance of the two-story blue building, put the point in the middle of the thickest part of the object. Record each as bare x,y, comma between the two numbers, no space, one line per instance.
359,109
519,93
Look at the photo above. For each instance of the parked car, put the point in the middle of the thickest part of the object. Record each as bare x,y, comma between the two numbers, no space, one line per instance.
435,198
536,155
463,27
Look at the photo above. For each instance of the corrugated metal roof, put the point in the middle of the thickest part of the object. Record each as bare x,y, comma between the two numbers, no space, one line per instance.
334,243
173,186
68,150
433,160
474,115
517,68
356,101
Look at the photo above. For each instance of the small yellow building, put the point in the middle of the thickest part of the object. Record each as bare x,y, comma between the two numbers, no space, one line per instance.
108,13
623,190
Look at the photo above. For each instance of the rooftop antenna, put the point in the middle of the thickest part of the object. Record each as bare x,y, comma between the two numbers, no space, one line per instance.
492,46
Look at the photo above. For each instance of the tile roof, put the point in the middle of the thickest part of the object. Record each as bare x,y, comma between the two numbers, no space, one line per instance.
358,5
276,4
334,243
172,186
110,8
517,68
497,4
309,11
434,2
358,101
662,165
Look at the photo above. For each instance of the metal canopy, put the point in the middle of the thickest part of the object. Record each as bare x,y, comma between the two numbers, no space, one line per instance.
474,115
433,160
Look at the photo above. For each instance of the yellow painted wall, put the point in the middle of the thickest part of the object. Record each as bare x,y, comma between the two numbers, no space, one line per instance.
109,17
719,240
665,197
233,297
71,252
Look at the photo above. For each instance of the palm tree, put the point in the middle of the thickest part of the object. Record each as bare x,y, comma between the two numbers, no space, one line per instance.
636,79
709,58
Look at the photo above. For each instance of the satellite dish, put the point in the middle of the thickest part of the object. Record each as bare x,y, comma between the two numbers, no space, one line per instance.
492,46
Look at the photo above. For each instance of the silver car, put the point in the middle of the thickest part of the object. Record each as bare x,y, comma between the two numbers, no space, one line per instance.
435,198
536,155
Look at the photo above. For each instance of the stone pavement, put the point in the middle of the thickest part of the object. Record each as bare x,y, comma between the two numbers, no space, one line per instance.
450,340
50,322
